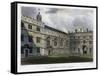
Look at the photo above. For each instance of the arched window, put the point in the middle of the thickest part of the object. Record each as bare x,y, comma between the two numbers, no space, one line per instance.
61,42
48,41
55,42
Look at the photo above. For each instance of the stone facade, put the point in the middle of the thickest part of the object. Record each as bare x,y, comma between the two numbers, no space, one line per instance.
38,39
81,43
56,42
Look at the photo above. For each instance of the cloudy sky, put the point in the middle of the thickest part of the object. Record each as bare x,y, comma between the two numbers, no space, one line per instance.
64,19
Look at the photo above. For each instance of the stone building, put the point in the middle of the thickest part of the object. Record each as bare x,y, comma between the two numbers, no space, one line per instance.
57,42
38,39
81,43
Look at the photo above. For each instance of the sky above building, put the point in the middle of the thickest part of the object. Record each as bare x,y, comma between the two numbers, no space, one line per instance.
64,19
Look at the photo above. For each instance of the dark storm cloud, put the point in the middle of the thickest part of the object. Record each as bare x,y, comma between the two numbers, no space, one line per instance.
29,11
52,10
64,19
70,19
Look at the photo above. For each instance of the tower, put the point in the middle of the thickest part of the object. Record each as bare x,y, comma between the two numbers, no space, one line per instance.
39,17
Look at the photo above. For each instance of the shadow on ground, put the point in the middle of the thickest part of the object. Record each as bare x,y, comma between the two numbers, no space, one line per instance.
50,60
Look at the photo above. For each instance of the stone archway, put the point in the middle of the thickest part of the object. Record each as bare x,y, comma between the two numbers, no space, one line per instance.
84,48
26,50
50,50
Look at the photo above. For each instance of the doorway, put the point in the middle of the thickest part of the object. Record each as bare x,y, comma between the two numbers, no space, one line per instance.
26,52
49,52
84,48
